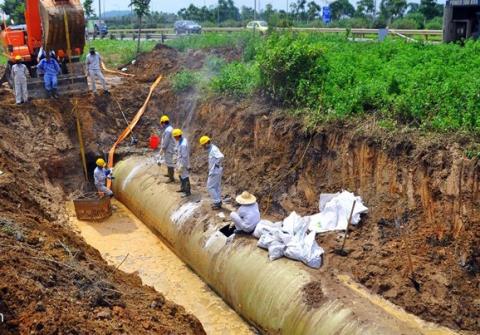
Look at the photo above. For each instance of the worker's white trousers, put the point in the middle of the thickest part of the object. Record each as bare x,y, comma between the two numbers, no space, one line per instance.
94,74
240,224
214,185
169,159
103,189
21,93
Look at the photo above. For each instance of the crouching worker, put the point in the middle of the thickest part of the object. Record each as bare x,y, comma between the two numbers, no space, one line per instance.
248,215
183,162
100,176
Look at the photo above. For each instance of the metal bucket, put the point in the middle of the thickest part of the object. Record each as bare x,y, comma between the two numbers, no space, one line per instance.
91,207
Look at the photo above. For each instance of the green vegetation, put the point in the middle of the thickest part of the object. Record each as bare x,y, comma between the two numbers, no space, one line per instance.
116,53
433,87
236,79
211,40
3,59
184,80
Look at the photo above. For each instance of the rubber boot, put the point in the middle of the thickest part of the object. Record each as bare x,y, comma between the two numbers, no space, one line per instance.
182,185
49,94
171,172
54,93
187,187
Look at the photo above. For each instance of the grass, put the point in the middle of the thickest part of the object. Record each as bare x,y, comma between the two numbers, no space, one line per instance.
116,53
184,80
3,59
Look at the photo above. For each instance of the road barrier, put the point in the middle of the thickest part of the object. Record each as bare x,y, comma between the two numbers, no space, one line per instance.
162,34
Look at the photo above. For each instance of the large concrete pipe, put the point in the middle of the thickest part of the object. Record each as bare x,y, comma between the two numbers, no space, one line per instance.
271,295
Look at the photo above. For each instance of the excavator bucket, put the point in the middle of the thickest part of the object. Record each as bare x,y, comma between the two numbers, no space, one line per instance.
57,17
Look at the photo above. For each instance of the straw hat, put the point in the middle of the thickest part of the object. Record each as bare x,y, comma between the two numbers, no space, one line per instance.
246,198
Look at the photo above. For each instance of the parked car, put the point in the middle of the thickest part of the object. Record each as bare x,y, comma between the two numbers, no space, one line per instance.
187,27
260,26
97,28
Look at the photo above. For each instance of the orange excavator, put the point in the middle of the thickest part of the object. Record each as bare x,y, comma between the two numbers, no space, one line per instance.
56,26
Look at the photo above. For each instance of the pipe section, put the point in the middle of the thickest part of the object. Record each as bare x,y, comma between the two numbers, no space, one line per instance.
270,295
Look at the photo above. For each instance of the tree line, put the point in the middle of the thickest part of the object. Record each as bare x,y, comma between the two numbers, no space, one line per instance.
393,13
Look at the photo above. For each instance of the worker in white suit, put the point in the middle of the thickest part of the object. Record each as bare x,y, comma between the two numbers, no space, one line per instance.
183,162
94,70
247,216
215,171
19,74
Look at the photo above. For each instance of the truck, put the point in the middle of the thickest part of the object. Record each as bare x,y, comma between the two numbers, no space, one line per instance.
57,26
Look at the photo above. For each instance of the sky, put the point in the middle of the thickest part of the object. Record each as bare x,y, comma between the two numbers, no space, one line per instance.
175,5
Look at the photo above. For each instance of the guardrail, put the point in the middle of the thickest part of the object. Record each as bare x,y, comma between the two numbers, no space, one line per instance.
163,34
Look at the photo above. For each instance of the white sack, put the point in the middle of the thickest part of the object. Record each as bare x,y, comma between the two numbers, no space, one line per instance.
336,213
275,250
265,226
313,252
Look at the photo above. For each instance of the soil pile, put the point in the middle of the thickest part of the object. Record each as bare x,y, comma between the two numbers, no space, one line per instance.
52,281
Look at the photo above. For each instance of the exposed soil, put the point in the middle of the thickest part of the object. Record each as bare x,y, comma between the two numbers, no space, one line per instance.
52,281
313,294
422,193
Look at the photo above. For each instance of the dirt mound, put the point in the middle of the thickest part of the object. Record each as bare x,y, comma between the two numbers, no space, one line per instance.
148,66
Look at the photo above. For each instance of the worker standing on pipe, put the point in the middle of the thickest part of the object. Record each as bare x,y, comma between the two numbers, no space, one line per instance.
168,147
248,215
94,70
100,176
49,66
183,162
215,171
20,73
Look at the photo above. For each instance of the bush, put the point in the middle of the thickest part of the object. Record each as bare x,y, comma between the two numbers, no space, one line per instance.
405,23
236,79
184,80
434,24
292,71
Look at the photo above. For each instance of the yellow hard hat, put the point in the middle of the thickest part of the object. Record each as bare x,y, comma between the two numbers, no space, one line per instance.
18,57
164,118
101,162
204,140
177,132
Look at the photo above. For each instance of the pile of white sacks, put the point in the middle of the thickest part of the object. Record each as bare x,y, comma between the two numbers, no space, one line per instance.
294,237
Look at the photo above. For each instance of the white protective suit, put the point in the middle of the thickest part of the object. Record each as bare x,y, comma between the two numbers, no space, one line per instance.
94,71
246,218
215,172
20,73
168,146
100,177
183,158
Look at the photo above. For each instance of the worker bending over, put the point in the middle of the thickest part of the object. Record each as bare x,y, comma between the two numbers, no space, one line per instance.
50,68
94,70
248,216
183,162
100,176
215,171
20,73
168,147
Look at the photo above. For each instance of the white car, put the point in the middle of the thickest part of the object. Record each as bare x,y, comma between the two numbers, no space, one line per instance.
261,26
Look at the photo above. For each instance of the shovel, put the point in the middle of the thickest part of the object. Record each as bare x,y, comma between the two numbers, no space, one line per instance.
342,251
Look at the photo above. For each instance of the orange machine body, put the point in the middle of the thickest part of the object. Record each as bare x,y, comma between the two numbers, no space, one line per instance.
26,40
